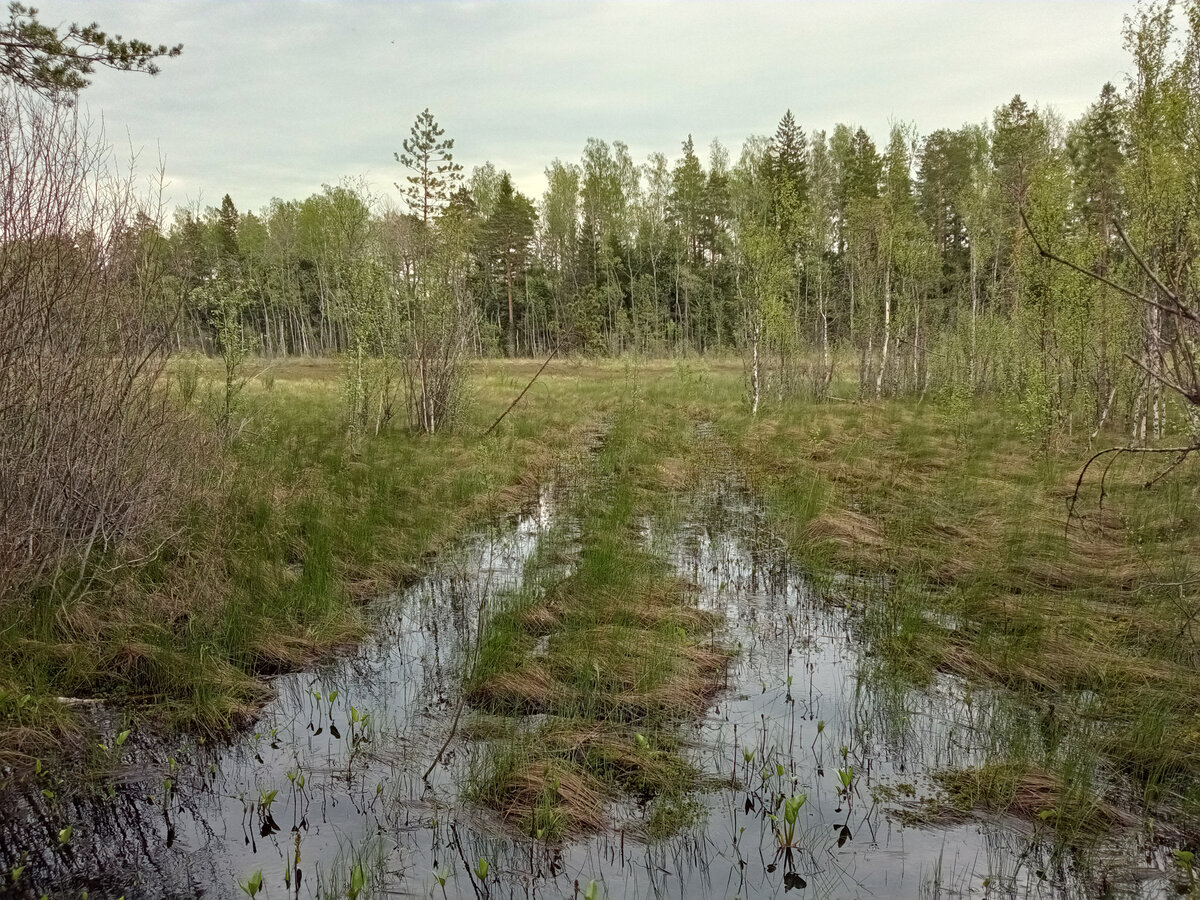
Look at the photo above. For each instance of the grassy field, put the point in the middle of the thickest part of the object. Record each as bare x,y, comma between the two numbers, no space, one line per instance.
271,561
1088,621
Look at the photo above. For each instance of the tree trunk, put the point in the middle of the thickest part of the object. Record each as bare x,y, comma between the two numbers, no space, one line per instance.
512,329
887,332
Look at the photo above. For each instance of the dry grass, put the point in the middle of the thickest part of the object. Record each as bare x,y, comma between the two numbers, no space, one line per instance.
850,534
1032,794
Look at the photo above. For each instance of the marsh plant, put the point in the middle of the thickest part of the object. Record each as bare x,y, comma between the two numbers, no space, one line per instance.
252,885
785,833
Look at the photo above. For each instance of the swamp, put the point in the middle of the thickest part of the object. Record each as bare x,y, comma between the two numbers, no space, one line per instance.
819,522
690,653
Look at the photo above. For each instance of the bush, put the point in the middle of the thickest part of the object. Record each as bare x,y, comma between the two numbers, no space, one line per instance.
90,449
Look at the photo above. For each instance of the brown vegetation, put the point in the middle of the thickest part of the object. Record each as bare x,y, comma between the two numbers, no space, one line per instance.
92,461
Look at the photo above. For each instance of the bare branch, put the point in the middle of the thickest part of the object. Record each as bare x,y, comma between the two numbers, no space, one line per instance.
1118,451
1179,307
1046,254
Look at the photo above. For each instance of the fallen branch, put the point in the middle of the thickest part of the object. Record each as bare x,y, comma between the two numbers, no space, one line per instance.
1183,451
553,353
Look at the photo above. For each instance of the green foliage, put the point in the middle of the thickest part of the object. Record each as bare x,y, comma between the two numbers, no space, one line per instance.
252,885
786,834
227,297
907,255
57,63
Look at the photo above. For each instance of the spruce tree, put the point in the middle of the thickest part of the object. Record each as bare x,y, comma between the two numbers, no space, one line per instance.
787,163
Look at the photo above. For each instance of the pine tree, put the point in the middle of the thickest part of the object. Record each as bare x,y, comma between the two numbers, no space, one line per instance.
436,176
509,233
56,64
687,198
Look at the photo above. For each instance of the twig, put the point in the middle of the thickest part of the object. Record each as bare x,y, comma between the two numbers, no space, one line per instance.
1178,309
904,340
1184,451
553,353
462,699
1167,471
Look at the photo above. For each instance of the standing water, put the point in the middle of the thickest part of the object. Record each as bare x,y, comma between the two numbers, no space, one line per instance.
811,763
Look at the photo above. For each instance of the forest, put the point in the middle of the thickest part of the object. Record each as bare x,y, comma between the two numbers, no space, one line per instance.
910,260
817,515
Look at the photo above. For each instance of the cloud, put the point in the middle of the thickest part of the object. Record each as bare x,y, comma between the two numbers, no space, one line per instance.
274,99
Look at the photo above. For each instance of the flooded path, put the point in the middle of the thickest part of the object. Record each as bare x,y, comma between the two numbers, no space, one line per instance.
326,795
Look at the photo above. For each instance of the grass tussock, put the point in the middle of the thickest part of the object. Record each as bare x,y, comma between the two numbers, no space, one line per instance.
610,652
291,529
1031,794
558,779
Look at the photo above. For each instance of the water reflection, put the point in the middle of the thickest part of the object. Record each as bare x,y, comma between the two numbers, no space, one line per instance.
330,780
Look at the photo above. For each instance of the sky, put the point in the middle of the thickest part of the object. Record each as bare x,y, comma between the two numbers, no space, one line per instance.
275,99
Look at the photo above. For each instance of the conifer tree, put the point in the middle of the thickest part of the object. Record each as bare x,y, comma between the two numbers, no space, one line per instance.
56,64
509,233
787,168
435,175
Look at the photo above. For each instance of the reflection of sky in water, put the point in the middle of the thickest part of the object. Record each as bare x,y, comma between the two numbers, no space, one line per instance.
341,798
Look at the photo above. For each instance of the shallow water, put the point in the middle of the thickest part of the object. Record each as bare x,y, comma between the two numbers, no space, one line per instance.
344,747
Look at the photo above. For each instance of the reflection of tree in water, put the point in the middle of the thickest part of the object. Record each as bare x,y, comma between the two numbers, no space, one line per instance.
118,840
802,693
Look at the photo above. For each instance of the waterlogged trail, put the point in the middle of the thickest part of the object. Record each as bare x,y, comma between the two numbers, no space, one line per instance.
334,762
776,699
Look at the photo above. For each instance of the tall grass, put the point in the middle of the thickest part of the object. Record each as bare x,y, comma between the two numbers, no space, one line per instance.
269,566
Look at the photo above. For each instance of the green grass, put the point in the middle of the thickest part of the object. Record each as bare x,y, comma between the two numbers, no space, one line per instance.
992,583
1095,618
609,650
293,527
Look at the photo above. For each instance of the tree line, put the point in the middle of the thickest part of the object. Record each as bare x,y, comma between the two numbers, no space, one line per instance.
915,257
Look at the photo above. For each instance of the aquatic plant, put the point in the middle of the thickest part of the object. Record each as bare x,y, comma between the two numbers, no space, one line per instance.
786,835
252,885
1186,860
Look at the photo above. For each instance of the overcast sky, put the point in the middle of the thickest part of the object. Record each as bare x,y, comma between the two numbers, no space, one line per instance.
277,98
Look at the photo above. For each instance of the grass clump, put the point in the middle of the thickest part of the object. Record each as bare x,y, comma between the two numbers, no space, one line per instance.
611,653
270,561
1034,794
